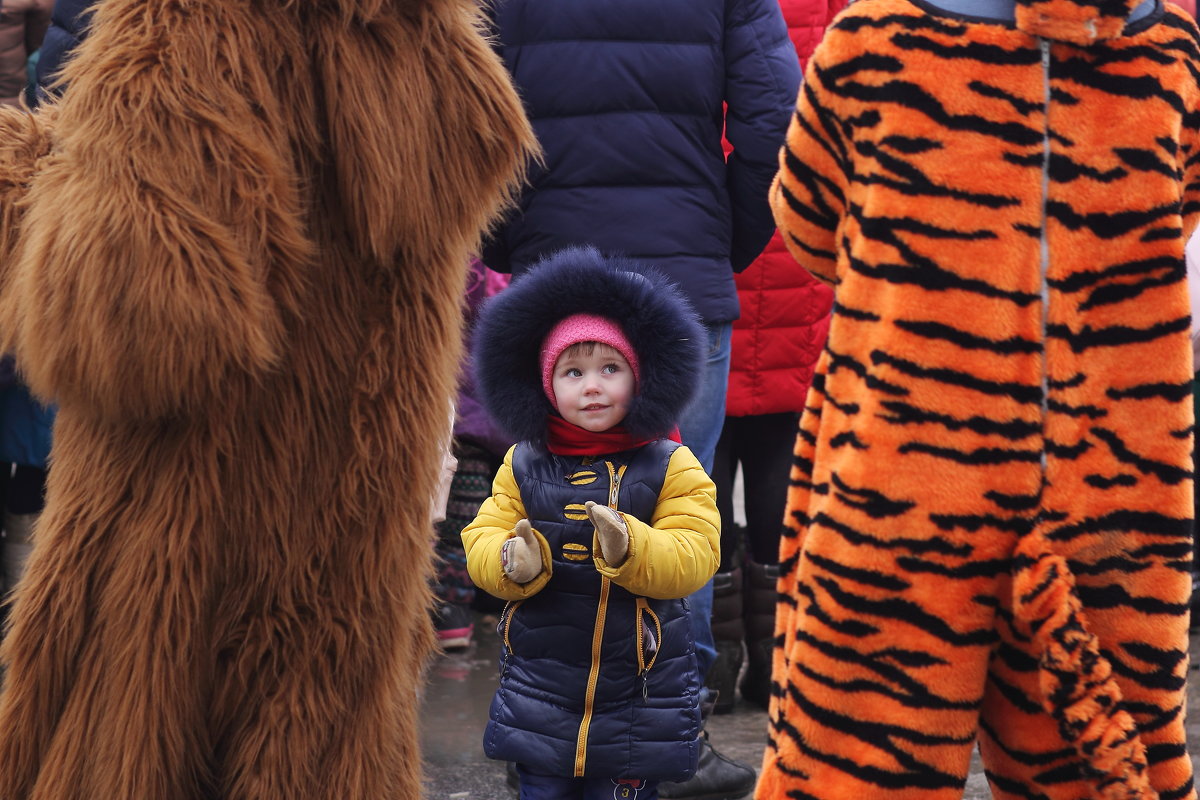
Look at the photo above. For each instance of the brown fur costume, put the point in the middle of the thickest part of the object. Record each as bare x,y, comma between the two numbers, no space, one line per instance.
237,268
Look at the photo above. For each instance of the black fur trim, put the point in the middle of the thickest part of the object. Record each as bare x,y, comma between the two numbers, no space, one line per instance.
659,323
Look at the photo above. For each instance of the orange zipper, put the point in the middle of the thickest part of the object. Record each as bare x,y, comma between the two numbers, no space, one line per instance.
593,677
614,488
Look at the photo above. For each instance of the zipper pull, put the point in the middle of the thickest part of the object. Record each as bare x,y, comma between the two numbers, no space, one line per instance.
645,687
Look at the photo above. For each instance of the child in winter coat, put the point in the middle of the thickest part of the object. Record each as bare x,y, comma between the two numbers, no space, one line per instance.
599,524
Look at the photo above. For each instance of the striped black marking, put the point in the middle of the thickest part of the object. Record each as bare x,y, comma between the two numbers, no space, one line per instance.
847,439
1147,161
908,612
1125,521
1121,564
926,274
1140,87
1086,278
850,627
1089,411
901,413
917,775
838,361
1119,293
1104,225
973,523
1167,473
1101,482
980,456
1063,169
1117,596
1020,104
970,570
1021,392
1014,502
871,502
1116,335
1078,379
884,227
867,577
859,314
924,544
968,340
1148,391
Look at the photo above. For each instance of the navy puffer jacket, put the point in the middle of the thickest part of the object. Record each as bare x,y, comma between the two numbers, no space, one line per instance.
645,714
68,26
626,98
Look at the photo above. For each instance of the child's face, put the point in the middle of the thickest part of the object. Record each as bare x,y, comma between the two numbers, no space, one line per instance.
593,390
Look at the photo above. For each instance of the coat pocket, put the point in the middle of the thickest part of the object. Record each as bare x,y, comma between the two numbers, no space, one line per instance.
649,634
505,628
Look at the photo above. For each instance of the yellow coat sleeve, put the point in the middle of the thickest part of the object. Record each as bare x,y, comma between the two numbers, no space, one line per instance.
680,549
491,528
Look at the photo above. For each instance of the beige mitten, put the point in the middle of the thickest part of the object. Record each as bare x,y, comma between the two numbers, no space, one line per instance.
611,531
521,556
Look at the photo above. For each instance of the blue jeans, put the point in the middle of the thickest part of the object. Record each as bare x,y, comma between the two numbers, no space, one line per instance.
700,428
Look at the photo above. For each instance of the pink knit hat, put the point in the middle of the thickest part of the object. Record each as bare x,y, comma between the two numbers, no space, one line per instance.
582,328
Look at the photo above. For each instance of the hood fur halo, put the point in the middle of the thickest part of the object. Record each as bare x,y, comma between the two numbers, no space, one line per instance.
661,326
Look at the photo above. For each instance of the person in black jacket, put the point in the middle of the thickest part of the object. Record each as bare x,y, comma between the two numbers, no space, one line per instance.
629,100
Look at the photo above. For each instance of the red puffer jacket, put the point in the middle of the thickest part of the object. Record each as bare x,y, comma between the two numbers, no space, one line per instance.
784,310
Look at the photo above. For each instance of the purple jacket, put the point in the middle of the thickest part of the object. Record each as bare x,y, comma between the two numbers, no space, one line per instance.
472,423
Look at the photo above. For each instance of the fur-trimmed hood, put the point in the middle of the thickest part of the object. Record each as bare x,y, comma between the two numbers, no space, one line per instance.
660,325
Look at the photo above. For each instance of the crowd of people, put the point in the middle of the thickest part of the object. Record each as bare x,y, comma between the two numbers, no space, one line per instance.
920,405
929,302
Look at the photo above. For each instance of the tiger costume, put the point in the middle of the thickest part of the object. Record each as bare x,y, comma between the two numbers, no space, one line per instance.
990,506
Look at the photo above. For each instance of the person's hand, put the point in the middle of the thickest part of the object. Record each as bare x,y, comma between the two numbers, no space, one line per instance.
520,556
611,531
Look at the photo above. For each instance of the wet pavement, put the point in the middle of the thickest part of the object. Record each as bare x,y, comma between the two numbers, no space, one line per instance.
460,686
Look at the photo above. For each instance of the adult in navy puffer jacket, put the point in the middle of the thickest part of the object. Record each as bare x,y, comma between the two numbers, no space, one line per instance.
68,23
629,99
776,342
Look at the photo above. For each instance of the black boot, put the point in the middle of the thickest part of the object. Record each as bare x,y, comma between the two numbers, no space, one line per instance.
761,597
717,777
512,777
728,632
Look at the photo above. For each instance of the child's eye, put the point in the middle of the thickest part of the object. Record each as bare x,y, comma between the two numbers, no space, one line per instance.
610,369
573,373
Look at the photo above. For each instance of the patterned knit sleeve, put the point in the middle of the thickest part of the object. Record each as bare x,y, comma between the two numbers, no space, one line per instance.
808,195
495,524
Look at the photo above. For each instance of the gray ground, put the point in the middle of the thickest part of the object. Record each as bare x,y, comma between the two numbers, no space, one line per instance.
460,687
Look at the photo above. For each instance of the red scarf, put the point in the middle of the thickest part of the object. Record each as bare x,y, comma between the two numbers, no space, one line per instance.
565,439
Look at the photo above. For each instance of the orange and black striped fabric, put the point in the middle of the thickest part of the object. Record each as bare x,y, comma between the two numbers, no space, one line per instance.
990,512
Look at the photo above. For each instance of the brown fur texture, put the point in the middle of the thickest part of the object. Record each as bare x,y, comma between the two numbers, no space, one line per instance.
237,267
